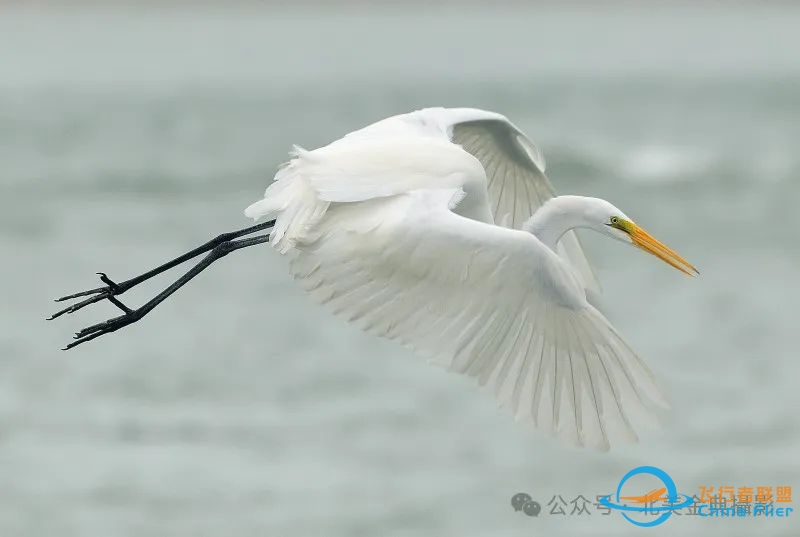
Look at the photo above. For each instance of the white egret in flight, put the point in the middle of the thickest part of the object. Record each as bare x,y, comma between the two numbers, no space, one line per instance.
439,229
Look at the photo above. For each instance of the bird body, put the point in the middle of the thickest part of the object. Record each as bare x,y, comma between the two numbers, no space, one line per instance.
439,229
365,169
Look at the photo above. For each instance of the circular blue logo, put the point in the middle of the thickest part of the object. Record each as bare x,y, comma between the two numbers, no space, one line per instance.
673,498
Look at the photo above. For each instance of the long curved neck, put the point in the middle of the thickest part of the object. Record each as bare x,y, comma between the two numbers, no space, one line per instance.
557,216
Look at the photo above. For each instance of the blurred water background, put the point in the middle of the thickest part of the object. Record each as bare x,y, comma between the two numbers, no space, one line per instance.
130,134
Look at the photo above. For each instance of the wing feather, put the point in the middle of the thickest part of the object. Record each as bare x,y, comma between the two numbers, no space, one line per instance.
484,301
517,183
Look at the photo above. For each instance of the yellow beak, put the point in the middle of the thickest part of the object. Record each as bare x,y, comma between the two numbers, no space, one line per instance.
650,244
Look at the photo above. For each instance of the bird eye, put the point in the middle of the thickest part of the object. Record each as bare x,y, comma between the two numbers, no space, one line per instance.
614,220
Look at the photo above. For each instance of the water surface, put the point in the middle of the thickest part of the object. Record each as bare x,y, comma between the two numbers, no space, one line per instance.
239,407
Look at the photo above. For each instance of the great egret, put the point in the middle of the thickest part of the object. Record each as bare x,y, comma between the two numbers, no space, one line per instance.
439,229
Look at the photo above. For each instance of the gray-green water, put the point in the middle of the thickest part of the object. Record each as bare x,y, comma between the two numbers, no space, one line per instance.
238,407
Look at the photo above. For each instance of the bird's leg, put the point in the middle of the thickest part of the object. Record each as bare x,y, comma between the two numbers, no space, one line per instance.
112,289
131,316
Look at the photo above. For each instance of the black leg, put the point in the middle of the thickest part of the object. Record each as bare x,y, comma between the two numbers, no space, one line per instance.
112,288
131,316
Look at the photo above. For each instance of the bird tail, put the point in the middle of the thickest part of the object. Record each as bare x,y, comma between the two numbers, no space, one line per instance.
291,201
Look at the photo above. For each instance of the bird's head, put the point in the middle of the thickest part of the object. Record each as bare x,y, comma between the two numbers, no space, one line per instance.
604,217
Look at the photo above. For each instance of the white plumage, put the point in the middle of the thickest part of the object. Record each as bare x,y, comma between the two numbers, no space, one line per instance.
396,227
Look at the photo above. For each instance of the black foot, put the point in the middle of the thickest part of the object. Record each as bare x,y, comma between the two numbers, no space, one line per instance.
97,330
108,292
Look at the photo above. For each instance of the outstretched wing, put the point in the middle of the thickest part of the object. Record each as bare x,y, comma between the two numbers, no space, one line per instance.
489,302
